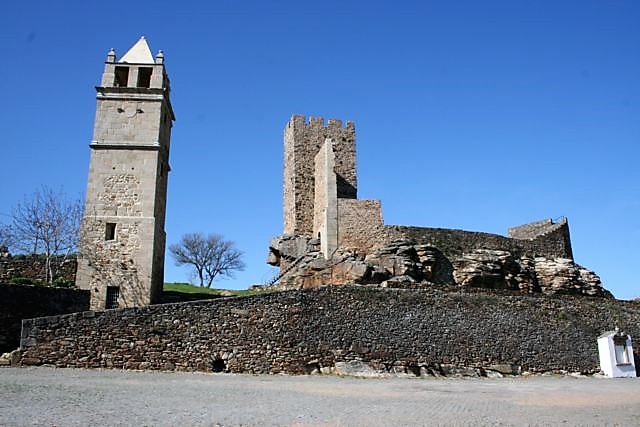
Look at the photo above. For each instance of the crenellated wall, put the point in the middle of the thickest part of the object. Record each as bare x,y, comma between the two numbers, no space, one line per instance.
423,332
313,205
302,141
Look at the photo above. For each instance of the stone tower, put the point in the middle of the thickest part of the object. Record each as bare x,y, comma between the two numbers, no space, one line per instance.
302,142
122,239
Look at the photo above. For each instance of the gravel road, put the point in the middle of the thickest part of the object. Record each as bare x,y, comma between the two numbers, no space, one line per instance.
76,397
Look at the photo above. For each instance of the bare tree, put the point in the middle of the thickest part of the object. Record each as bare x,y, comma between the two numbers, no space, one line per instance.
210,256
5,237
47,223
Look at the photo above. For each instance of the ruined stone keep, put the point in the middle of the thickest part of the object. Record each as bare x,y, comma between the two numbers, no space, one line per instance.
302,143
122,239
331,237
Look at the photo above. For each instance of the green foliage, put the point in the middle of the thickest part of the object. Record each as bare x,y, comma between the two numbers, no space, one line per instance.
61,282
198,291
188,288
22,281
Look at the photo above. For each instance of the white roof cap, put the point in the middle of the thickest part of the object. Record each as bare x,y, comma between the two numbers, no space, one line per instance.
139,53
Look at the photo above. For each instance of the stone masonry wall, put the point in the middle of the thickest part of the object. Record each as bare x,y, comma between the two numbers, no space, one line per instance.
19,302
121,121
127,186
419,332
325,209
453,243
302,141
33,267
534,229
360,224
121,262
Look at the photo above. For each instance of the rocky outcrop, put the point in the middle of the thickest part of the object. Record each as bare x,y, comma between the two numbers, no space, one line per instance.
563,276
11,358
499,270
404,264
495,270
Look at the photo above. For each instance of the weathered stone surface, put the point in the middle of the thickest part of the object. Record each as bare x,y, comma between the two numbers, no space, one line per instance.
399,282
468,331
355,368
11,358
320,201
18,302
484,268
122,239
302,141
506,369
404,264
457,371
34,267
563,276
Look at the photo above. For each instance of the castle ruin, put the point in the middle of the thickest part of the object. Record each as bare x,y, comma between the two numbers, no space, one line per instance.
331,237
122,238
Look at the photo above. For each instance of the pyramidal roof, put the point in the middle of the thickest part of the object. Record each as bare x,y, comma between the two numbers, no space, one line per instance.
139,53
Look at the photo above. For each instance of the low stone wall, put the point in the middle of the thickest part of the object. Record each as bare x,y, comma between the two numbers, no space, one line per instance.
33,267
419,332
453,243
19,302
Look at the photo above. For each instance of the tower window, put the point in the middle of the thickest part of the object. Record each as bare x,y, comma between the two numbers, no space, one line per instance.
121,77
110,231
144,76
113,293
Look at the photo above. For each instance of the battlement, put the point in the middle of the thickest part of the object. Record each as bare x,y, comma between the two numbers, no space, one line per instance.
302,141
299,120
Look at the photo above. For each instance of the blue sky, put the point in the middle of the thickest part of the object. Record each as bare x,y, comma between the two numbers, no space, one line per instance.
477,115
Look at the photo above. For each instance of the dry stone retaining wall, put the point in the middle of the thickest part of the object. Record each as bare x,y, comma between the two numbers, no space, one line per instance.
333,329
34,267
19,302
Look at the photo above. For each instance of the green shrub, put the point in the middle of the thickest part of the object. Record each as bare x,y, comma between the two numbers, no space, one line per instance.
61,282
22,281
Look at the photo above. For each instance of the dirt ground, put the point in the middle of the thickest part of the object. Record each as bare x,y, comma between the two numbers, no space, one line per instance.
74,397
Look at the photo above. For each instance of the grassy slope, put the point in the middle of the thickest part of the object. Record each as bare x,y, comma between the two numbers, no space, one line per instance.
197,292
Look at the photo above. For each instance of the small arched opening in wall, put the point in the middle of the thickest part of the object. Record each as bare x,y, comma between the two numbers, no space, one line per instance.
218,365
